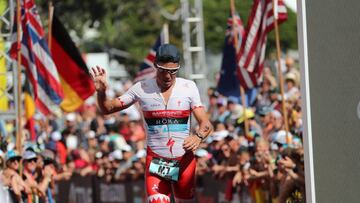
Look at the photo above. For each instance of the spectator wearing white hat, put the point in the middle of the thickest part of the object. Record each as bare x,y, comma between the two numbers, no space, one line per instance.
126,163
292,92
92,143
290,68
61,150
71,122
116,158
29,161
236,111
277,122
38,188
116,155
202,157
12,178
282,138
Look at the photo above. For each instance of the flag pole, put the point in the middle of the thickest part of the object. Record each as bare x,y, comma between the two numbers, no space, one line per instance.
166,33
50,21
278,54
242,91
19,92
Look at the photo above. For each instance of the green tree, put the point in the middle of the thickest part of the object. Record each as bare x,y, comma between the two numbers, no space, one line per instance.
134,25
128,25
215,17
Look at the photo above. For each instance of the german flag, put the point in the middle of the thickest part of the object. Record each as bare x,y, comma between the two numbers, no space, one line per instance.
74,74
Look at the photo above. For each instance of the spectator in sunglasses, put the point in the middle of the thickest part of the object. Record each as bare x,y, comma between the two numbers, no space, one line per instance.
31,178
17,187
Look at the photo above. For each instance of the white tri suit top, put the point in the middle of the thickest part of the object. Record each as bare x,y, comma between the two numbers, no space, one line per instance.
167,125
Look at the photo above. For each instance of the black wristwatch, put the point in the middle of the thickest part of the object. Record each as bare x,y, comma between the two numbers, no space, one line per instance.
200,136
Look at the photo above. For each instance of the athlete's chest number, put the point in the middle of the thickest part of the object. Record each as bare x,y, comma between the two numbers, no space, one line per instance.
167,169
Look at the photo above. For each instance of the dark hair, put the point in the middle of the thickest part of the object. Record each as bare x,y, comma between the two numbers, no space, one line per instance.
167,53
293,154
114,127
228,138
2,163
48,161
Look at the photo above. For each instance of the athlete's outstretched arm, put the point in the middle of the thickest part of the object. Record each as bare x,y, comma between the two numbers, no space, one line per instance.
107,106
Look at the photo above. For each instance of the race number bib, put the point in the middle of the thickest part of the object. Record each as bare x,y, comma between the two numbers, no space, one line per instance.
167,169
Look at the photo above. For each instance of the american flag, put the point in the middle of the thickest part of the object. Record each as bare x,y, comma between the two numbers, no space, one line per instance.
36,59
230,76
147,69
261,21
247,79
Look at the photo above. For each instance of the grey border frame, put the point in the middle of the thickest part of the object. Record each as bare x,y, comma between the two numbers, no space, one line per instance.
305,94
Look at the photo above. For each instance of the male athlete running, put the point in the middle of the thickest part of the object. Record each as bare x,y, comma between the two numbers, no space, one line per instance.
167,103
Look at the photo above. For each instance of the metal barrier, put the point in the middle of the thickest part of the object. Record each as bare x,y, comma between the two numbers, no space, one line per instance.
91,189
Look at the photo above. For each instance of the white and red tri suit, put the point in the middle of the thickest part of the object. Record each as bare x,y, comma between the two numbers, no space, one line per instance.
167,126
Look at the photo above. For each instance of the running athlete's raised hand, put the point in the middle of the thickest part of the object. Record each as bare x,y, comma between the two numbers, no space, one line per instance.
98,75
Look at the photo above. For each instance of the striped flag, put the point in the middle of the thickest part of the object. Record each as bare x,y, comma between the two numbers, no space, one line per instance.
229,83
261,21
147,69
247,79
36,59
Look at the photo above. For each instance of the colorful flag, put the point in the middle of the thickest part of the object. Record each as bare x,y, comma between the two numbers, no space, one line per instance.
229,83
74,73
36,59
147,69
261,21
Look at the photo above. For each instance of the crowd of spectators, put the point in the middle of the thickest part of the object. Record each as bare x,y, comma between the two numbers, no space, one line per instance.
263,165
266,163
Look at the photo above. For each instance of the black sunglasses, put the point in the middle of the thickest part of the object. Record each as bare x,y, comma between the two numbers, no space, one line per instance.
31,160
15,159
163,69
